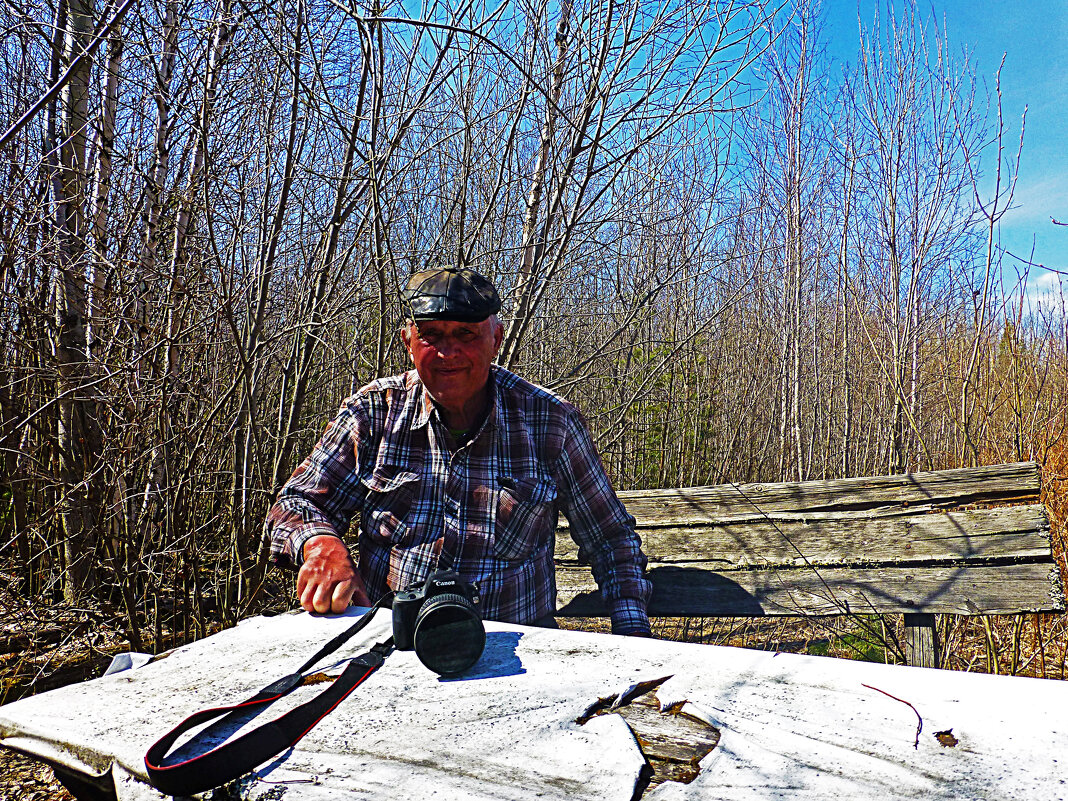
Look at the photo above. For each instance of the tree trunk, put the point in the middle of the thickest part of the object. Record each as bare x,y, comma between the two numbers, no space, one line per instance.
77,436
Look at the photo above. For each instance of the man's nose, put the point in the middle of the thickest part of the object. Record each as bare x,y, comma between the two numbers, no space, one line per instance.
446,347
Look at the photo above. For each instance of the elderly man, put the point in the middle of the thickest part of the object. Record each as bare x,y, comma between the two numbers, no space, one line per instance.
458,463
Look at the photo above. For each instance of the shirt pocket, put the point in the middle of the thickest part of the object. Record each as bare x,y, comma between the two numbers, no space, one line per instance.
525,516
391,493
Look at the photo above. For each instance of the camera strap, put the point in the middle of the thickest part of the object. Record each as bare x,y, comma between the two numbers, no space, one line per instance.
233,759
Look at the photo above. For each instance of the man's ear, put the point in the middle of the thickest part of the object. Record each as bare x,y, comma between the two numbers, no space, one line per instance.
406,338
498,338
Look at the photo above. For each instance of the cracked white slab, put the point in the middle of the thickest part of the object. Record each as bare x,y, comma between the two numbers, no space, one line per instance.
811,727
791,726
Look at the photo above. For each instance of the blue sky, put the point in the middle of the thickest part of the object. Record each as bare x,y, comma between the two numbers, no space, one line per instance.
1032,35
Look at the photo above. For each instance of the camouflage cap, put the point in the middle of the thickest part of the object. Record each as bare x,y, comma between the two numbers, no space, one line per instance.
450,293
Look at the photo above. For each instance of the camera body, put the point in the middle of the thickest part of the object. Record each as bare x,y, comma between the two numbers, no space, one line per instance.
438,619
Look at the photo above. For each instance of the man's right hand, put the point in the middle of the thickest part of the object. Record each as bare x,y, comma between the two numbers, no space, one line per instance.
328,580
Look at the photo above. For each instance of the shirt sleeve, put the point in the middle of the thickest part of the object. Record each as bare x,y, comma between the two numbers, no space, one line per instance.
323,493
603,529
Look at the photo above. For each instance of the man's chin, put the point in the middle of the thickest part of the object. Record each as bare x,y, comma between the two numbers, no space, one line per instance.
447,392
452,390
449,376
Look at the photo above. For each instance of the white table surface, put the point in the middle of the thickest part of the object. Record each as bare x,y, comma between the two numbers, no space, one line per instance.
791,726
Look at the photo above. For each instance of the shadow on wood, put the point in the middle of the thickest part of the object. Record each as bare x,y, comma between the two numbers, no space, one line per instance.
675,587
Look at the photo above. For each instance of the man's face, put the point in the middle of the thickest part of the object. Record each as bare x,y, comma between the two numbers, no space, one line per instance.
453,358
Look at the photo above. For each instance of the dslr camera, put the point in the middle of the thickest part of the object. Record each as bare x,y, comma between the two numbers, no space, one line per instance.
437,619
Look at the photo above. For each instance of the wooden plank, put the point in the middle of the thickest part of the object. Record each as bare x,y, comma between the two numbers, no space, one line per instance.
920,640
672,740
694,592
938,489
668,735
673,743
973,535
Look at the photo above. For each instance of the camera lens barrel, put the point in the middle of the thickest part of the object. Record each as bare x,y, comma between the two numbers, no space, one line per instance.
448,635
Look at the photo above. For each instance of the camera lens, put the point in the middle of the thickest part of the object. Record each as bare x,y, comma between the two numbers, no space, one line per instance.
449,635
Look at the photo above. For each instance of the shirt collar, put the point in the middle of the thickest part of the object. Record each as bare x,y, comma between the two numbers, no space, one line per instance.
419,398
425,406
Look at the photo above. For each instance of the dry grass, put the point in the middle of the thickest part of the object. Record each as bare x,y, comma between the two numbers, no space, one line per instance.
25,779
1011,645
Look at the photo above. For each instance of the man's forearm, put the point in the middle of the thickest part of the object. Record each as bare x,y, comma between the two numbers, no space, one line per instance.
315,501
290,531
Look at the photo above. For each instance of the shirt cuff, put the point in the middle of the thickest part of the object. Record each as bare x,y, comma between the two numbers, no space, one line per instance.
629,617
305,533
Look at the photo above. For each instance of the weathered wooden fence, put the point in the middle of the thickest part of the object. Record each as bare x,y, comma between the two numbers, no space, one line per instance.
968,542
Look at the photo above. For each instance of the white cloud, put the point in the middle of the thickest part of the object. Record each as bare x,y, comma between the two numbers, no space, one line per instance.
1042,291
1035,202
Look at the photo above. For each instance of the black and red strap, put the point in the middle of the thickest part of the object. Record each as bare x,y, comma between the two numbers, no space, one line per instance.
230,760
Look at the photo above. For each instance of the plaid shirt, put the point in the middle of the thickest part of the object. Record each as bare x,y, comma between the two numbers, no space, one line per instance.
488,507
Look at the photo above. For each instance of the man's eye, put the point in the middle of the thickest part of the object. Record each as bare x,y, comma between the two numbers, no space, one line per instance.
466,335
430,337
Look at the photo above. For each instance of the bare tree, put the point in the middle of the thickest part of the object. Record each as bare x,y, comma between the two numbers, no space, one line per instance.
916,160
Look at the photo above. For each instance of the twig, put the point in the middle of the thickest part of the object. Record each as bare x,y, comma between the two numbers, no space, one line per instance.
919,720
47,97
